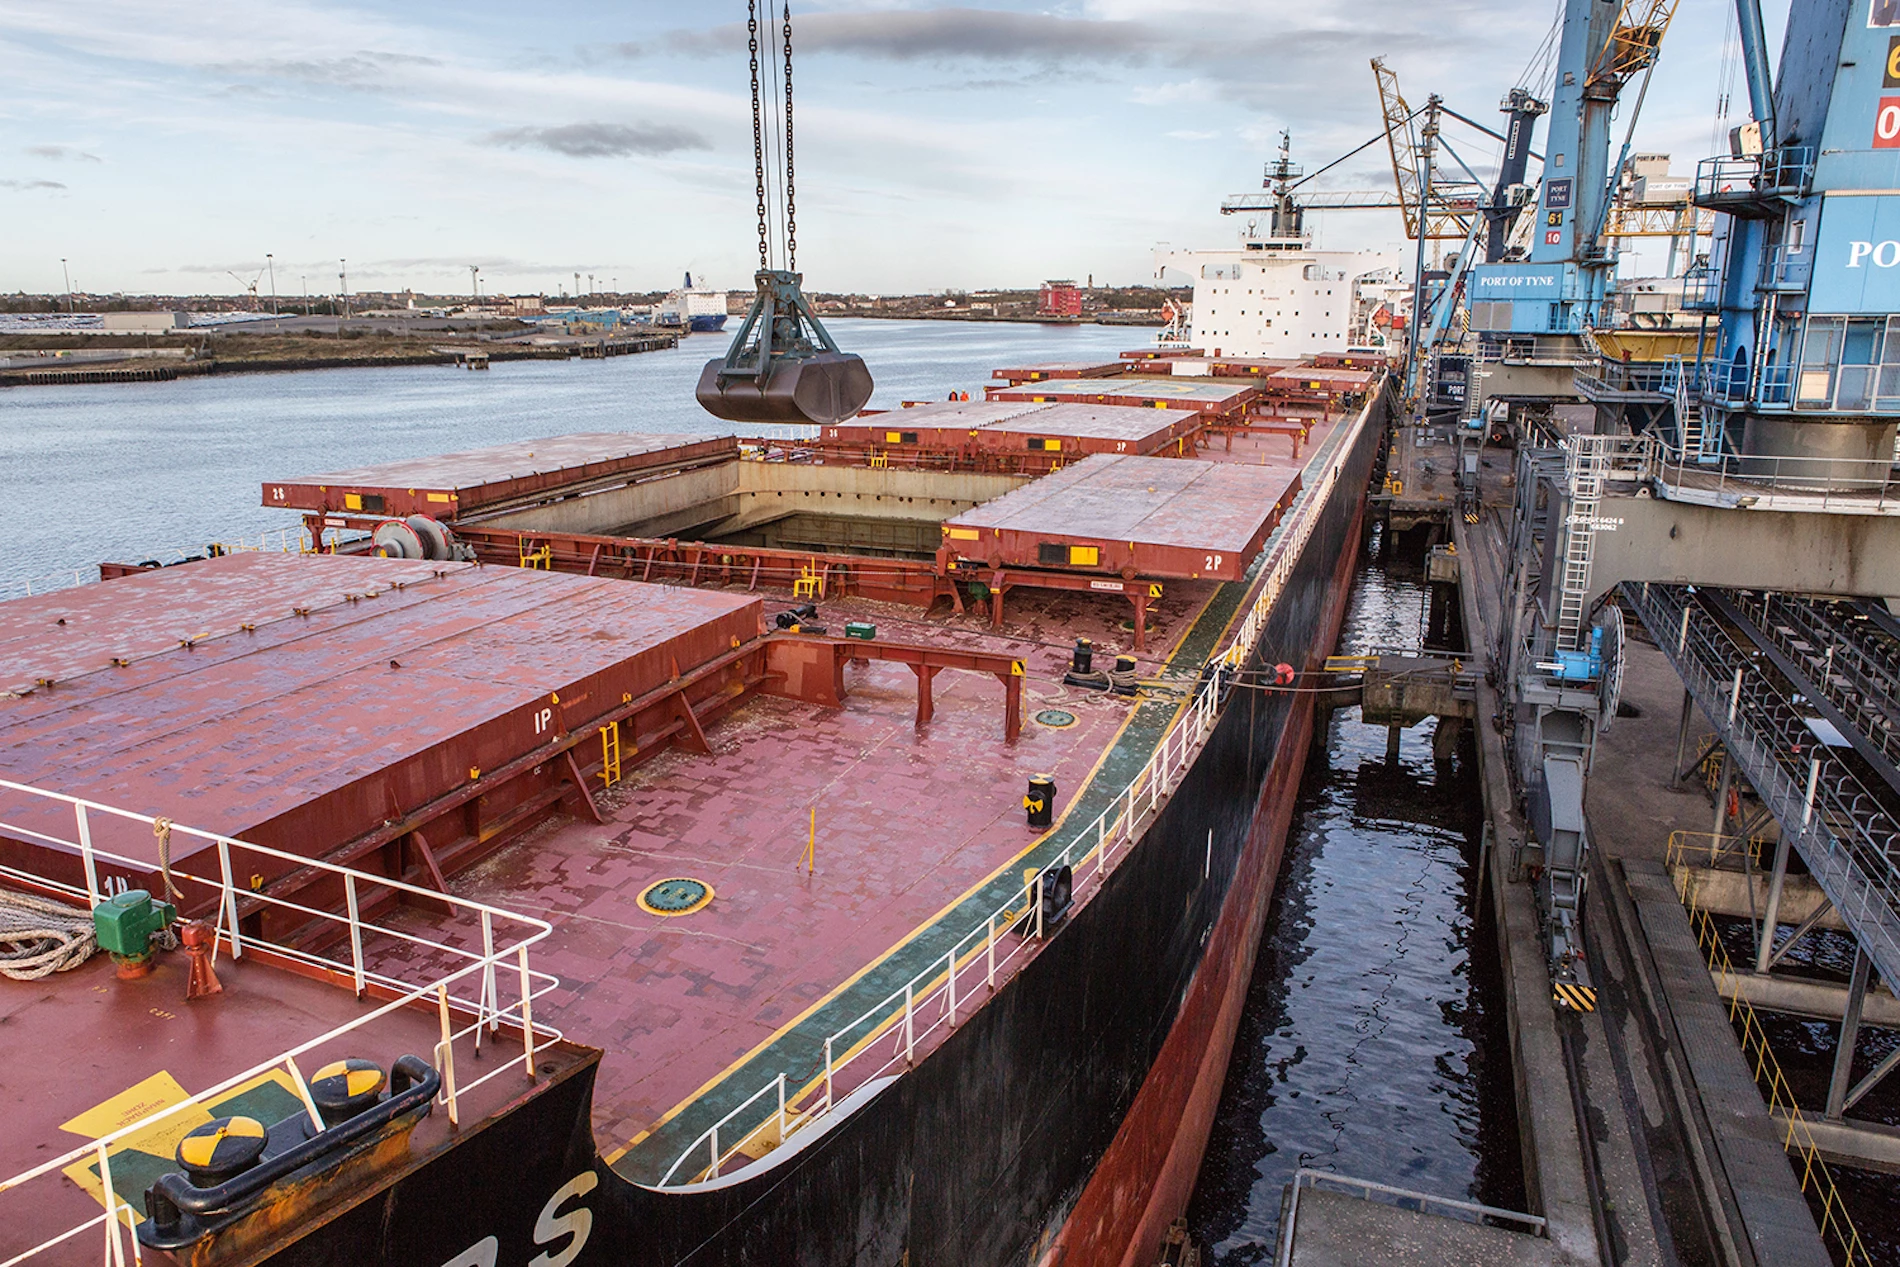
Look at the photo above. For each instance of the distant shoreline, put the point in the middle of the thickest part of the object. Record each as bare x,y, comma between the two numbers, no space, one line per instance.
947,315
347,354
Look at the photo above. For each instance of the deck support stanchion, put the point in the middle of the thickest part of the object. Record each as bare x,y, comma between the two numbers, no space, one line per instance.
1682,733
1850,1035
115,1248
85,855
356,932
1720,827
527,1013
1765,944
446,1063
989,949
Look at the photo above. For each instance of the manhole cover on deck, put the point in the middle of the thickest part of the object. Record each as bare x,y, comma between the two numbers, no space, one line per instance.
1055,717
677,896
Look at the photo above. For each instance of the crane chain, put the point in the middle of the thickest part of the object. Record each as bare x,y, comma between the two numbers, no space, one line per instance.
758,130
791,203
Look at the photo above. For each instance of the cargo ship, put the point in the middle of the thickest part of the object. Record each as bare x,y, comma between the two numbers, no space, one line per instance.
844,847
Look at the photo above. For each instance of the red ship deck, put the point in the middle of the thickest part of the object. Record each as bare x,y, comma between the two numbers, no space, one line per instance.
453,484
81,1042
912,822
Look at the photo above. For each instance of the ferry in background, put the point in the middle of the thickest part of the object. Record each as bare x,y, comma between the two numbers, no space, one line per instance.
699,309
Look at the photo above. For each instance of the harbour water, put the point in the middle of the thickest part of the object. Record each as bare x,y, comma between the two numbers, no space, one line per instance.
1373,1043
135,471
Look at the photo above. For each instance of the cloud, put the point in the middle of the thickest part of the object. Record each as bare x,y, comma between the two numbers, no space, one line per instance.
1193,136
58,153
933,34
30,184
360,70
1259,54
603,140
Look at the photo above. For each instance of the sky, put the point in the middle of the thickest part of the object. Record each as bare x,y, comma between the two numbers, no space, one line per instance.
160,146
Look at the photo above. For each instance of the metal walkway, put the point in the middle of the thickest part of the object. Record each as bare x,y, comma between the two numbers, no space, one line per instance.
1841,829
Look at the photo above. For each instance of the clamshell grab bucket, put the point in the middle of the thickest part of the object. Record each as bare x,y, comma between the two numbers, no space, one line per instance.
783,366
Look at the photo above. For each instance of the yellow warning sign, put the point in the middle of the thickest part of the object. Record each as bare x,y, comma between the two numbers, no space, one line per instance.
139,1158
1154,589
1578,998
1015,668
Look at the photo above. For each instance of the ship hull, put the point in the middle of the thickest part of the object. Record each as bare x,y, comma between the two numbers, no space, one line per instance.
708,323
1063,1122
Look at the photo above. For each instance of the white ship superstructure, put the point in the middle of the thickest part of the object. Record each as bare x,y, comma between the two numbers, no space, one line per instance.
1272,294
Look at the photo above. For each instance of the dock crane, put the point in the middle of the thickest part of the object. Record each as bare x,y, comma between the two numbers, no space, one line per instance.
782,366
250,286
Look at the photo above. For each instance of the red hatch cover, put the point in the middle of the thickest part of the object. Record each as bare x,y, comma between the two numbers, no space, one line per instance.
302,700
449,485
1134,516
1010,426
1216,398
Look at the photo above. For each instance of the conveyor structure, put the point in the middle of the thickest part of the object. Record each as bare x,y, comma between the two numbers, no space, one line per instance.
1843,829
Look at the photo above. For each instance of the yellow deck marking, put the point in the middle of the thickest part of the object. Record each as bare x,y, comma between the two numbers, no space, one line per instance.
153,1096
1061,819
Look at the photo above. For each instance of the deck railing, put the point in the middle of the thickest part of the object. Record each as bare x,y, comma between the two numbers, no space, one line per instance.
489,946
886,1037
1804,1155
287,540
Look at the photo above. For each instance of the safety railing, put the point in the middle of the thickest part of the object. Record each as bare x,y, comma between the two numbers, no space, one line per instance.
280,541
1730,182
1849,842
461,969
1828,485
1710,849
1817,1182
888,1035
1403,1198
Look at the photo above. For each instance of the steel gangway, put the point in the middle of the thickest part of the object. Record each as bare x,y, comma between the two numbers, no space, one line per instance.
1840,827
1847,664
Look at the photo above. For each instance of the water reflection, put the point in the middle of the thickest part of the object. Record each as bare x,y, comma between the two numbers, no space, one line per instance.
1373,1041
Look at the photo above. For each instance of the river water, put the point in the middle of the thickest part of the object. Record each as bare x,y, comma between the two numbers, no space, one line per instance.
133,471
1373,1042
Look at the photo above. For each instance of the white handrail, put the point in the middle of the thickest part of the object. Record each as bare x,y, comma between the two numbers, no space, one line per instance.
286,540
477,965
1120,823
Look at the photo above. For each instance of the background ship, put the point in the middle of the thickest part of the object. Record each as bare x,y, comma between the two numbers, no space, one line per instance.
699,309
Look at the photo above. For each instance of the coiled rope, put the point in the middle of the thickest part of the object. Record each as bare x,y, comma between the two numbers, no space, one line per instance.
38,937
1112,679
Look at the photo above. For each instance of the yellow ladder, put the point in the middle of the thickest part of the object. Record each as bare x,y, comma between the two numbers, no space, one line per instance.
610,754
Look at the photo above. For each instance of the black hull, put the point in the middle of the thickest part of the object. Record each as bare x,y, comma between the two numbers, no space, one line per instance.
981,1154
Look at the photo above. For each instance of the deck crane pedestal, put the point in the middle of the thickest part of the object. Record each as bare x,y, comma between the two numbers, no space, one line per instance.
783,366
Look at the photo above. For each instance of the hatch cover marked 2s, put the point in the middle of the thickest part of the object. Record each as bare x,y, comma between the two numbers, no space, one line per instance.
675,896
